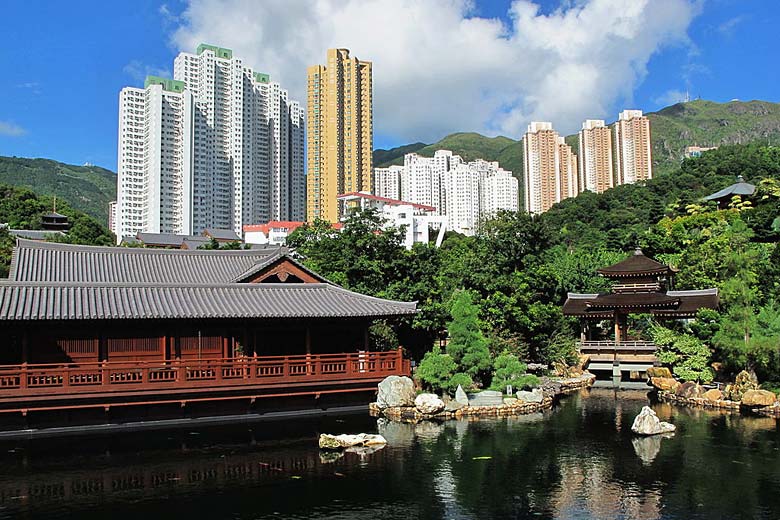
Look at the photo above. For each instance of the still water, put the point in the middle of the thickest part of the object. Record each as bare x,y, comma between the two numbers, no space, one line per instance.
577,461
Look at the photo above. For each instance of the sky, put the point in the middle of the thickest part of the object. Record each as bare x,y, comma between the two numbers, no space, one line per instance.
440,66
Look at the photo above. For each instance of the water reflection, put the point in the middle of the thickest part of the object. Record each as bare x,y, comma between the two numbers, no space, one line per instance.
577,461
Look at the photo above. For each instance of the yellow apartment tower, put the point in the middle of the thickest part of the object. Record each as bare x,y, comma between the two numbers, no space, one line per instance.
569,184
596,173
541,167
340,132
633,159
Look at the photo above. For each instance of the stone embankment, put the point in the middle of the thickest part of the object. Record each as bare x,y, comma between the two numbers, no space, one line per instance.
742,395
398,402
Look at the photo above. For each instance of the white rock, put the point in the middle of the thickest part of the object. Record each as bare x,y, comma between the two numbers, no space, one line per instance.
648,423
395,391
429,404
346,441
534,396
461,397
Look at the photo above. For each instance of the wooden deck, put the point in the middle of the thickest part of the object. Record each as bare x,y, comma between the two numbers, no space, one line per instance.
25,388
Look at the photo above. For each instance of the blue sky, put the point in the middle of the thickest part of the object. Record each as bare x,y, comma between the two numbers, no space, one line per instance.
64,63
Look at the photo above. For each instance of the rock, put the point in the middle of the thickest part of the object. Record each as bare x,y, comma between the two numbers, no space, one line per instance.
534,396
689,390
559,368
659,372
758,398
337,442
461,397
395,391
429,404
549,387
510,401
486,398
742,384
648,423
665,384
451,406
582,361
713,395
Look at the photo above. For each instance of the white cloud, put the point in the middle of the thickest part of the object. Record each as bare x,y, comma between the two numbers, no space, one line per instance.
728,27
670,97
138,71
440,69
11,129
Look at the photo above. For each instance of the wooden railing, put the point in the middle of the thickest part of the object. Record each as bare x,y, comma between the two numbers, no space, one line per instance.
624,347
63,379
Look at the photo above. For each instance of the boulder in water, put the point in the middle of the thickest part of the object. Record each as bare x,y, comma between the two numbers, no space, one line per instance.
758,398
395,391
486,398
713,395
648,423
534,396
689,390
665,384
429,404
659,372
337,442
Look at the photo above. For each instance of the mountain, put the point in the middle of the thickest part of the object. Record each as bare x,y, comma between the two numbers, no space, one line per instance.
703,123
381,156
85,188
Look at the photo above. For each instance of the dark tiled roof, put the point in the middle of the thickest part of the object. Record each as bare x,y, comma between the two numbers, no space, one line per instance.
670,304
35,234
635,265
222,234
52,262
85,301
739,188
280,254
161,239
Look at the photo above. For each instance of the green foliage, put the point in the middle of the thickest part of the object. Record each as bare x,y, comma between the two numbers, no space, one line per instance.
688,356
87,189
382,336
467,346
460,379
509,370
436,370
560,347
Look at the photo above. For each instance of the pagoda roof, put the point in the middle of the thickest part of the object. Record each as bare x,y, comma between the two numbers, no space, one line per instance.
672,304
738,188
636,265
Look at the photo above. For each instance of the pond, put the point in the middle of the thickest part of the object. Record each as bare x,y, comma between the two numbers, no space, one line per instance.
576,461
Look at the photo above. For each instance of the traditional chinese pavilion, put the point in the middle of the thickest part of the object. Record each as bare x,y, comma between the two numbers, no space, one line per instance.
640,285
101,327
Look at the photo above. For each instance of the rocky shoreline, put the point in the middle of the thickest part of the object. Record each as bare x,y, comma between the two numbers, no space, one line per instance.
510,406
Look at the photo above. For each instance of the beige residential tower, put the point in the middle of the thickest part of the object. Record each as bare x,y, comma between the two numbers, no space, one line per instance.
633,157
340,132
596,173
541,167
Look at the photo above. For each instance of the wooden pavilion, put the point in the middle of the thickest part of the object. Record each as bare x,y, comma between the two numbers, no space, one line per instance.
88,326
640,285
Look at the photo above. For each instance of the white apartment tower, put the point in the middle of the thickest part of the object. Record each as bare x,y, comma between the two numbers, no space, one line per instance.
541,167
633,156
387,182
595,158
219,146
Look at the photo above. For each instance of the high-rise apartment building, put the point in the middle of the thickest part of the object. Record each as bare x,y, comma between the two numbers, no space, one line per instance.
387,182
219,146
567,166
340,139
595,156
541,167
466,193
633,156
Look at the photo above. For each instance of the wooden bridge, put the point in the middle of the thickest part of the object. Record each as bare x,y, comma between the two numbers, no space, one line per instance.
618,357
70,386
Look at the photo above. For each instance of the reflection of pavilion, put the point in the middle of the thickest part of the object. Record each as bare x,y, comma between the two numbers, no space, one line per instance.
641,285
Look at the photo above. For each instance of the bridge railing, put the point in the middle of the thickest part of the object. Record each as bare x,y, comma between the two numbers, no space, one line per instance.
623,347
72,378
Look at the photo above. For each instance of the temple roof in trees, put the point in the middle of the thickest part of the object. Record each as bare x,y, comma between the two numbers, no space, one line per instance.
740,187
636,265
671,304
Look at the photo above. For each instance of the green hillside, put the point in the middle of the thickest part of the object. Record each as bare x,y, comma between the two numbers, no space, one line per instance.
703,123
382,157
85,188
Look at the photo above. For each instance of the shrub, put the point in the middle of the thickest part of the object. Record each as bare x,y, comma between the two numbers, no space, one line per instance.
509,370
467,345
436,370
688,356
461,379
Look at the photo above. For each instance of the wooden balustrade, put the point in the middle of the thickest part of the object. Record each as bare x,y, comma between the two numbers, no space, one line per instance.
19,381
613,348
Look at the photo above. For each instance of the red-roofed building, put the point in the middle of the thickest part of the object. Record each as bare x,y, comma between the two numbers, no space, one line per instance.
274,232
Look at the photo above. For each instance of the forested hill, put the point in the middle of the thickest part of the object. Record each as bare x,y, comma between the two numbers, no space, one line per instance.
85,188
703,123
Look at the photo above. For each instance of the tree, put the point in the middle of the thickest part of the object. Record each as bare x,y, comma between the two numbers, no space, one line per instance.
688,356
436,369
509,370
467,346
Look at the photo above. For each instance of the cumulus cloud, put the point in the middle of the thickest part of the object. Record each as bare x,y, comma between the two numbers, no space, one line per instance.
138,71
11,129
440,68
